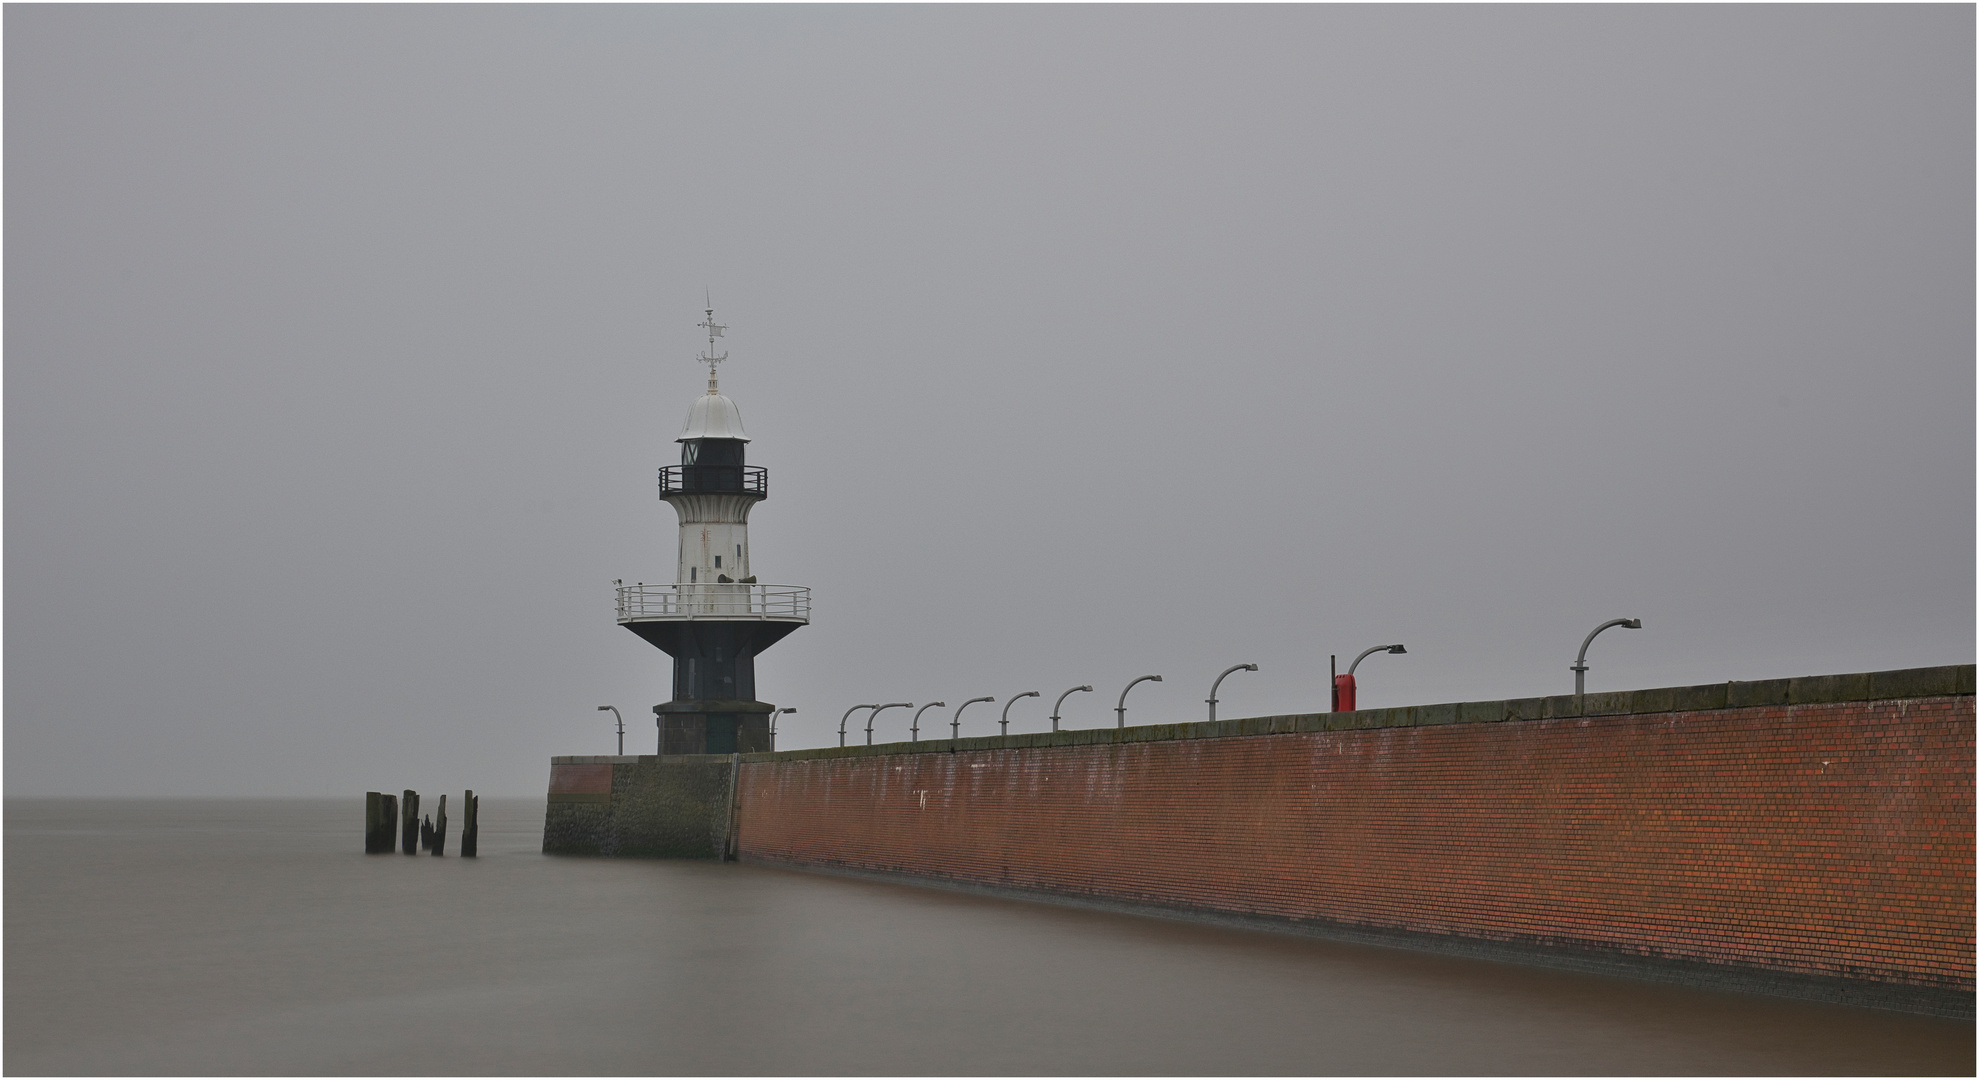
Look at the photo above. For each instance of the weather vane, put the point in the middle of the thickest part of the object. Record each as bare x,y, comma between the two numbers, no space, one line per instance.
714,330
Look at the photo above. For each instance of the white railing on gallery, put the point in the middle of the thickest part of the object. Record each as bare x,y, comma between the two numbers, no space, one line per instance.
784,603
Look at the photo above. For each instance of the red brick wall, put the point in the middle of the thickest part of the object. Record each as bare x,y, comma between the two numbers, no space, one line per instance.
585,779
1818,839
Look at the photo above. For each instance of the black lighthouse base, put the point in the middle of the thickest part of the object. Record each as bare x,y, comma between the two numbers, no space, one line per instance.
714,726
714,708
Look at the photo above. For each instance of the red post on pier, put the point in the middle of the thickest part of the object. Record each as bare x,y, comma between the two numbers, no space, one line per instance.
1343,693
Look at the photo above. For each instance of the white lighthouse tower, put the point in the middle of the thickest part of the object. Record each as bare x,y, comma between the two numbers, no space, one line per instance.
715,617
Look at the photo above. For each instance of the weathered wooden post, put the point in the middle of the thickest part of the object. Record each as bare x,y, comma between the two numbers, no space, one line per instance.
440,829
388,837
377,827
470,829
409,818
426,834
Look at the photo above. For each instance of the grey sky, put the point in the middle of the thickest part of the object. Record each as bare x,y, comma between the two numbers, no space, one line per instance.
1080,343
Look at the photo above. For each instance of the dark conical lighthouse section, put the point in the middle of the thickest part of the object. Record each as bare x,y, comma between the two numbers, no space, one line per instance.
715,617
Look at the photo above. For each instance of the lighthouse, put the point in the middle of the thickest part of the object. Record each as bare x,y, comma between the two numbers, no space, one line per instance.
715,616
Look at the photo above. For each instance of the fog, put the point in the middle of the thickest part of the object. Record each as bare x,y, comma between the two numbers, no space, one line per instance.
342,344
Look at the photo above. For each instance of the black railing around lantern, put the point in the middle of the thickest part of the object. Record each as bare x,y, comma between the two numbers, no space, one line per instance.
720,479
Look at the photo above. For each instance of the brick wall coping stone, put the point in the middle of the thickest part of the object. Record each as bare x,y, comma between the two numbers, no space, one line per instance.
1952,680
631,759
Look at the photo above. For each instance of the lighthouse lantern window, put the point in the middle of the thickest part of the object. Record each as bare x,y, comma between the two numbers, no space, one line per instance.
711,452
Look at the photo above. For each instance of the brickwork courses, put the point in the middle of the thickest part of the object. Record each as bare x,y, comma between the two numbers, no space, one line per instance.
1827,839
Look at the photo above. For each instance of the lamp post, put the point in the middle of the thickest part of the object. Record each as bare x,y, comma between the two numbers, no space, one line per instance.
955,725
1344,689
1120,708
1219,682
773,717
1370,652
848,716
1580,662
621,726
914,733
1005,722
877,710
1061,701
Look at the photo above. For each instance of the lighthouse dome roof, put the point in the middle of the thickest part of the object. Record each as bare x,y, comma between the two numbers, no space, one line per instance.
713,416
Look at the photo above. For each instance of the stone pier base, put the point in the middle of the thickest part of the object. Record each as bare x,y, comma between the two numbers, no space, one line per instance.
673,807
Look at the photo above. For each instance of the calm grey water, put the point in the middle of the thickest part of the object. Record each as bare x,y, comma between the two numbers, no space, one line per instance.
254,936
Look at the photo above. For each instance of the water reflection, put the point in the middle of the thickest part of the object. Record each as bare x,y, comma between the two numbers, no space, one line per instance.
244,936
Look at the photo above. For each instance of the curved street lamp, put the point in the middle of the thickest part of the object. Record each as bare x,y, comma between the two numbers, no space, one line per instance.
914,733
773,717
1005,722
1371,652
848,716
877,710
1061,701
1120,709
621,726
1219,682
1343,685
1580,662
955,726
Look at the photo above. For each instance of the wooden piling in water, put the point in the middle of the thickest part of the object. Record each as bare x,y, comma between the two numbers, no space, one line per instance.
470,827
426,834
409,818
440,829
377,828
